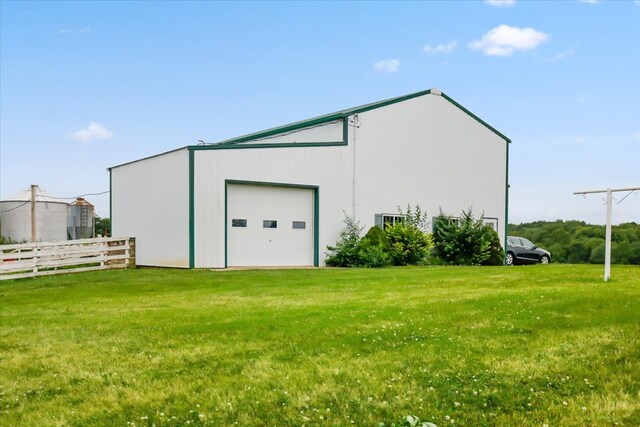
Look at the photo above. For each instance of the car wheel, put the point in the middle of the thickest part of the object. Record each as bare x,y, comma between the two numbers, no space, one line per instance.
544,259
509,258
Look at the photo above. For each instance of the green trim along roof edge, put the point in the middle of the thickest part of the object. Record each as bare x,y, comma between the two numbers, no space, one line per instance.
339,115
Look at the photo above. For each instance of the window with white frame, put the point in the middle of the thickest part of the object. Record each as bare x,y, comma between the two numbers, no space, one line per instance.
492,223
387,220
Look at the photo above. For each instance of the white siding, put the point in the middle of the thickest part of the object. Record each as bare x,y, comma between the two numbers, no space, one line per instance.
325,132
325,167
150,201
421,151
427,151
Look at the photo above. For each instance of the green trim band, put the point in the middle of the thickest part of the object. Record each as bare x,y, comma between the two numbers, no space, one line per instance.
192,234
342,114
271,145
478,119
316,212
506,205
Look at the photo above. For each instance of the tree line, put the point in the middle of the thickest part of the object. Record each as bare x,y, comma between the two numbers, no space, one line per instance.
576,242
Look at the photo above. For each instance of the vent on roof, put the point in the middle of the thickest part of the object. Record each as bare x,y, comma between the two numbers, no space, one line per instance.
436,91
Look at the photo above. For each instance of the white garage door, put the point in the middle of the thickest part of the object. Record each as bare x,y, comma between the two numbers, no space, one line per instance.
269,226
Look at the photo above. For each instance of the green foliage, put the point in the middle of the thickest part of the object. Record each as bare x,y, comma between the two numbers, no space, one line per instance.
346,252
577,242
404,243
415,218
103,226
377,236
373,255
496,253
408,244
461,242
352,251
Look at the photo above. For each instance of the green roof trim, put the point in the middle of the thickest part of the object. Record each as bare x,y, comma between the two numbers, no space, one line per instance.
240,142
336,116
478,119
271,145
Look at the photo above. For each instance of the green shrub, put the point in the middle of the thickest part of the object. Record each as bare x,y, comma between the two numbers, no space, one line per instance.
373,255
346,252
351,251
408,245
377,236
496,253
461,242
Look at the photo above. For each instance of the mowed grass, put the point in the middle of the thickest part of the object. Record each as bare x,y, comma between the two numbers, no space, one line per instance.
494,346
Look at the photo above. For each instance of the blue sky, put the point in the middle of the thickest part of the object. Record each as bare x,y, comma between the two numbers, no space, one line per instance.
88,85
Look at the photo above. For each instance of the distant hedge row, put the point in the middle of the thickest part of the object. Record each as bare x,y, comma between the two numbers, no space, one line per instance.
577,242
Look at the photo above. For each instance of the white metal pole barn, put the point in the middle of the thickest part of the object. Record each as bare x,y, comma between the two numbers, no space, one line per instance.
607,250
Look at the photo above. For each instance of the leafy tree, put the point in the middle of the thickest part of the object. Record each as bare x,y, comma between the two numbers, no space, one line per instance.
579,242
103,226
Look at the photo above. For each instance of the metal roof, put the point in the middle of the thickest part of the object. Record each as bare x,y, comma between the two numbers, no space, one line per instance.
41,196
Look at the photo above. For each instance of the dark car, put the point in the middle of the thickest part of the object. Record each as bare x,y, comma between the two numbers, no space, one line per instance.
522,251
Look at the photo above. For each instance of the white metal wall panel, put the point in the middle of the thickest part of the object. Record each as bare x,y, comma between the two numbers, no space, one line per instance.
255,245
325,167
324,132
421,151
150,201
427,151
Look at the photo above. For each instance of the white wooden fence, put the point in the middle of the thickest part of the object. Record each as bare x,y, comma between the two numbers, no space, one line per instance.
70,256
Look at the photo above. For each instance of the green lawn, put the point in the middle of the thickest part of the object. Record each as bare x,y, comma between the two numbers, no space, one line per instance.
470,346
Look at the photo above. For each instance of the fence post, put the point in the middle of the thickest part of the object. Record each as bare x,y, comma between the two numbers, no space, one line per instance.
132,252
36,259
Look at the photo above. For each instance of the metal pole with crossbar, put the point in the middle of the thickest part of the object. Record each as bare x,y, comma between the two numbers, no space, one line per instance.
607,249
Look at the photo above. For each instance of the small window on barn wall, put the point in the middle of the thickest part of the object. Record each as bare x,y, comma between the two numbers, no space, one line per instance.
453,219
269,223
386,220
241,223
299,225
492,223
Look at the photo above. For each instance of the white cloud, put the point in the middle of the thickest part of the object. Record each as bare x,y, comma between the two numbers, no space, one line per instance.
74,30
387,66
563,54
581,139
500,3
589,1
441,48
638,136
505,40
92,132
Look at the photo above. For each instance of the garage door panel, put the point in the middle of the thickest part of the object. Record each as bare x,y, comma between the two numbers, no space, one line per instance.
252,239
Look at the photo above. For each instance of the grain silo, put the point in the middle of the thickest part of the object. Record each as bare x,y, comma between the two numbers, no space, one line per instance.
33,215
80,223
